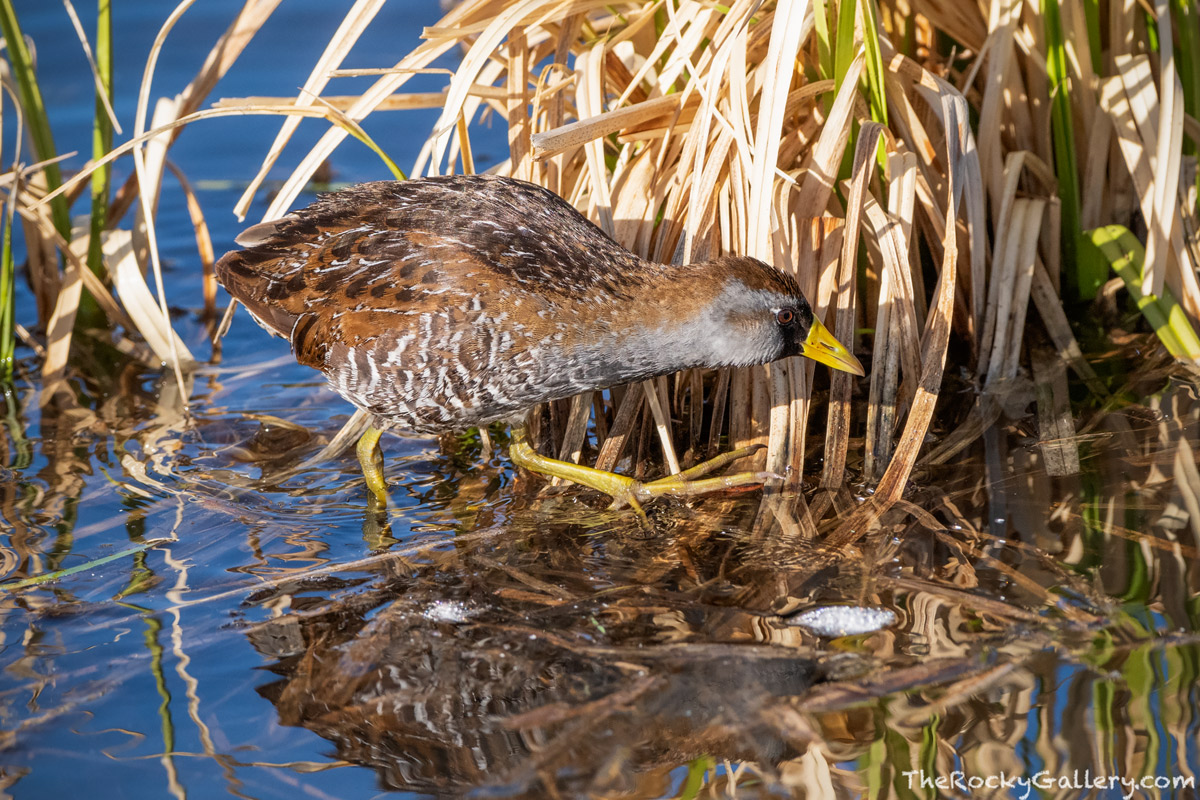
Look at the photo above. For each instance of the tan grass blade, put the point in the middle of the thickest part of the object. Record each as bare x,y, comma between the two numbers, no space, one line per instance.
220,58
662,424
896,337
225,52
687,26
149,163
1131,126
622,426
473,63
204,245
937,333
91,59
837,431
376,94
520,128
633,192
1014,276
1187,481
820,248
75,181
588,102
577,134
789,28
343,39
401,101
148,167
576,433
1002,257
1002,23
1050,309
46,232
826,155
61,325
1168,139
135,296
1096,181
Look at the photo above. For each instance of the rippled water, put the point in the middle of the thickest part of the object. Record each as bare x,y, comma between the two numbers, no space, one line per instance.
257,634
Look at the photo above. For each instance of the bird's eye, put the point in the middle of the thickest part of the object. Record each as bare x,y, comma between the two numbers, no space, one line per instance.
785,316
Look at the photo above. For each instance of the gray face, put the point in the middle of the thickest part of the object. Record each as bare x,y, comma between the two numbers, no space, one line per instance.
745,326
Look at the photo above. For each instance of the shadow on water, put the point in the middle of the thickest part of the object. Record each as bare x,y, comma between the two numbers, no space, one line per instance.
489,635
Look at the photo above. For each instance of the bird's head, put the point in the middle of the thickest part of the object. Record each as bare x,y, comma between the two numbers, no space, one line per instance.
758,314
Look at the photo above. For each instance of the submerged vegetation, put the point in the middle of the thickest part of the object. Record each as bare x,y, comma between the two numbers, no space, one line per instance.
996,204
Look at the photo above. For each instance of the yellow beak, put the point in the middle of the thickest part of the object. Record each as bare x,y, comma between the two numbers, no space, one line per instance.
821,346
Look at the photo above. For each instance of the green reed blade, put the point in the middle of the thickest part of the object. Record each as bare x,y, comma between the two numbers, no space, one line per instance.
1187,27
1127,257
824,46
38,580
1091,19
8,343
844,48
697,777
1082,283
34,111
102,135
876,95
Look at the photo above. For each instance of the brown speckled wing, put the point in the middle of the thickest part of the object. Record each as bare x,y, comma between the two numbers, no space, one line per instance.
383,244
389,247
439,302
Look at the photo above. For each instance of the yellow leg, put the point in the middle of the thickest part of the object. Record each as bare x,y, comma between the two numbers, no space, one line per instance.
626,491
371,459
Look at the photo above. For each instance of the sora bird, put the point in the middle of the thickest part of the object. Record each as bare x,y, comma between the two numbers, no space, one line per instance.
439,304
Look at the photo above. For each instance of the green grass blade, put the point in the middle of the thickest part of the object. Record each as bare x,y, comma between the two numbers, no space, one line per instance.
1081,283
1127,257
1091,18
874,74
1187,27
38,580
358,133
34,111
8,343
102,136
824,46
352,127
845,48
876,95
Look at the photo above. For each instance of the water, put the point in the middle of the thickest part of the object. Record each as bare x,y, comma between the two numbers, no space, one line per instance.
275,639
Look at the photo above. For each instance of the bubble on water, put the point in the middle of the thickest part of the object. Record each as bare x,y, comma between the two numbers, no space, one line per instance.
835,621
448,611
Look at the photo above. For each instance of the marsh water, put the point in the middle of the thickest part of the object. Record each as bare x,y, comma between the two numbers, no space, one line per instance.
238,629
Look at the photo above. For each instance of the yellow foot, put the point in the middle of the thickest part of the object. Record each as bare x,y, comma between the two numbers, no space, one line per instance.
626,491
370,457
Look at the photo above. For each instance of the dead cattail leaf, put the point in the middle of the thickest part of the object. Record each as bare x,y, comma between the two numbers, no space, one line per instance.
576,134
137,299
837,431
204,246
343,39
